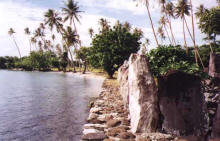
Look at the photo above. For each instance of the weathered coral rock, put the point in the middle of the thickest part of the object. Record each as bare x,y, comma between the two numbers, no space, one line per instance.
143,100
214,65
182,105
94,137
153,136
113,123
216,124
189,138
123,79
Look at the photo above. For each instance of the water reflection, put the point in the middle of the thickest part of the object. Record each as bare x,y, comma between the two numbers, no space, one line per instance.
44,106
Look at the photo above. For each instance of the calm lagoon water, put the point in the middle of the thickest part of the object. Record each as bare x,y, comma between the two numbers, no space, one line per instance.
41,106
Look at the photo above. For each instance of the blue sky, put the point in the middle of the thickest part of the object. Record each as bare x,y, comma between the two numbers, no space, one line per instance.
19,14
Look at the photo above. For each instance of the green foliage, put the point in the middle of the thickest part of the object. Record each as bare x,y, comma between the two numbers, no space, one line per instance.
111,47
205,50
166,58
209,22
8,62
83,53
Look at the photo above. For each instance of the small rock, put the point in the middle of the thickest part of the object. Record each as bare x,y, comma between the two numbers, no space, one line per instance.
95,110
126,135
92,116
94,137
113,123
87,131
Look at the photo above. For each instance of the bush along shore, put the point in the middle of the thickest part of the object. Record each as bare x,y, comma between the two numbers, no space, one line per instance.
177,106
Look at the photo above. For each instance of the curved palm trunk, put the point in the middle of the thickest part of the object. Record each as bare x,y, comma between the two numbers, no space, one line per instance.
185,44
79,43
167,34
68,50
187,27
171,30
85,67
16,46
152,26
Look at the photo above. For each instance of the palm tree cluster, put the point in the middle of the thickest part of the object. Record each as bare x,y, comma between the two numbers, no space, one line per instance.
55,20
180,10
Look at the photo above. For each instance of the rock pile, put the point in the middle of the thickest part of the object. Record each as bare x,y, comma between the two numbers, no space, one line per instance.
108,118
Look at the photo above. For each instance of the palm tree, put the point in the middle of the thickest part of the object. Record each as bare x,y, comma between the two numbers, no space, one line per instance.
161,33
27,32
104,24
170,14
71,12
181,10
163,22
146,3
71,39
91,32
11,32
200,11
40,45
52,19
34,41
127,26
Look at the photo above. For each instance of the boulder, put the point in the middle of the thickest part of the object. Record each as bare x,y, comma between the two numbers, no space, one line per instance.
123,80
214,65
182,105
216,124
143,100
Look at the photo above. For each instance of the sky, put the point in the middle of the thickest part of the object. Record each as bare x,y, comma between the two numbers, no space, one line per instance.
19,14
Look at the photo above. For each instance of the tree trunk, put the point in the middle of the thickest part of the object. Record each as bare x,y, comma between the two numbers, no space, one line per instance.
189,30
85,67
194,38
168,34
152,26
16,46
185,44
171,30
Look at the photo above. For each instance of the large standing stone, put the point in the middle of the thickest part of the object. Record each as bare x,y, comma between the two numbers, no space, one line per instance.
214,65
216,124
182,105
123,79
142,95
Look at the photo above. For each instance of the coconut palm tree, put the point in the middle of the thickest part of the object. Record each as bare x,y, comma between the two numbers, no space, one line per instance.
71,38
161,33
34,41
28,33
181,10
91,32
11,32
52,19
127,26
162,23
200,11
104,24
40,45
170,14
146,3
71,12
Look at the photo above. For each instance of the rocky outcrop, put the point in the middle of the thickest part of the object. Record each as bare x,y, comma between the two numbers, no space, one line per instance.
182,105
214,65
143,107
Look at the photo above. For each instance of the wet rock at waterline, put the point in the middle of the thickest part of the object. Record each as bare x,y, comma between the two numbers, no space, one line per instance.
182,105
142,95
